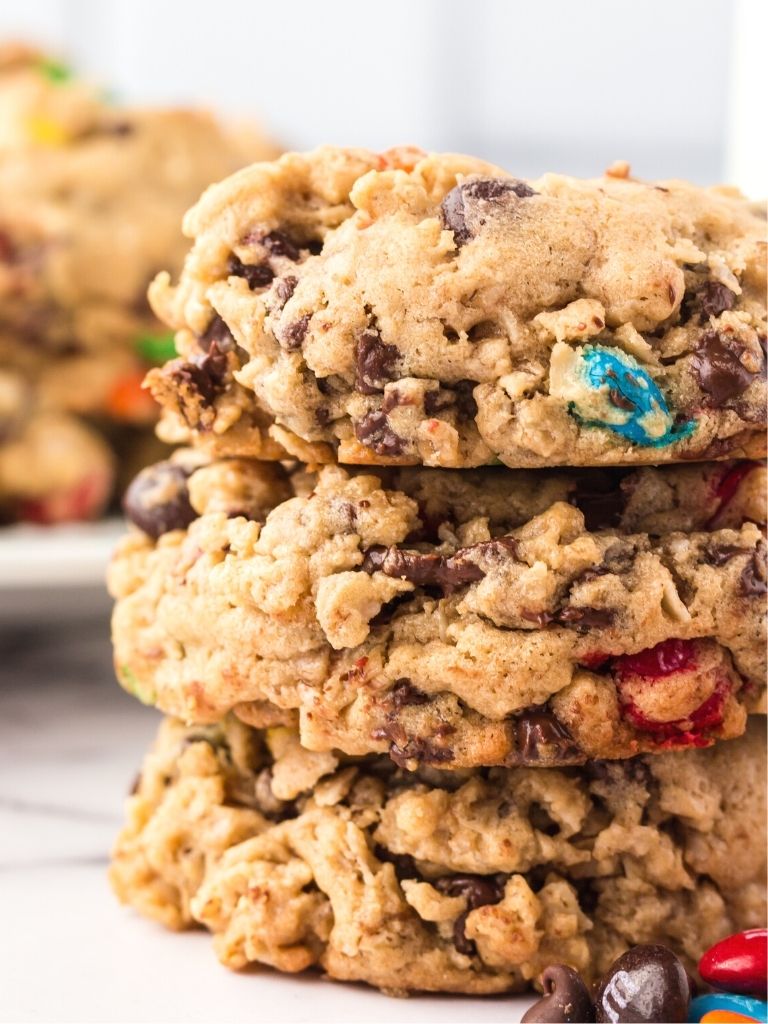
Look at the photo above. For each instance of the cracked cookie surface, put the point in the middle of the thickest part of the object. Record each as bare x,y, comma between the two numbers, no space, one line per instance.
448,619
430,309
443,881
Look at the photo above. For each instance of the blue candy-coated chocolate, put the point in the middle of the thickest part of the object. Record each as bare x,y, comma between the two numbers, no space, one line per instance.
755,1009
609,368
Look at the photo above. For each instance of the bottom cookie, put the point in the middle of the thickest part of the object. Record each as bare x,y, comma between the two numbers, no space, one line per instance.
464,881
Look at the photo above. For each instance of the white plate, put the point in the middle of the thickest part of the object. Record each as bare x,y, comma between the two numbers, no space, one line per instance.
55,571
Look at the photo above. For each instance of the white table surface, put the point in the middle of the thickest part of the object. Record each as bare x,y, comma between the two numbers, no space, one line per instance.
70,744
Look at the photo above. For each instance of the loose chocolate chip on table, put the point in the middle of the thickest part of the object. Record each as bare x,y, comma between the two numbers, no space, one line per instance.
566,999
258,275
470,198
719,369
539,736
158,500
375,362
374,431
647,983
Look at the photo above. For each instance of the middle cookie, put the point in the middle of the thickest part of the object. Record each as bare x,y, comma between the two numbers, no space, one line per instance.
483,618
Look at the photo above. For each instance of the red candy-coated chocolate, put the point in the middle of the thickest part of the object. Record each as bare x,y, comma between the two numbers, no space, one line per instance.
728,484
655,662
738,963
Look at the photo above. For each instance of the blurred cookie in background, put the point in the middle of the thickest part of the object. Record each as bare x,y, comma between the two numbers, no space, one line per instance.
92,195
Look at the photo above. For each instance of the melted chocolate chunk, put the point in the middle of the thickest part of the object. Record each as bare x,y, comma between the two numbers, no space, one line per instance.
158,500
284,289
205,377
714,299
405,694
374,431
375,362
217,331
292,336
467,206
719,369
479,891
448,572
719,554
540,737
258,275
403,863
460,397
278,243
586,618
753,576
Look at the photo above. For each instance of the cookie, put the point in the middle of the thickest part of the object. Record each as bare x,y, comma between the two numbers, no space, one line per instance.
53,467
431,309
441,881
451,619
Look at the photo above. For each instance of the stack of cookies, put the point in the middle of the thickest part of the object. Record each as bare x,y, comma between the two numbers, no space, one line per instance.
91,197
455,597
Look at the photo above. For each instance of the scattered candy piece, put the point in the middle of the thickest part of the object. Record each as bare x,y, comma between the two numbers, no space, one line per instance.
608,388
738,963
566,999
55,71
647,983
46,132
738,1008
156,348
129,402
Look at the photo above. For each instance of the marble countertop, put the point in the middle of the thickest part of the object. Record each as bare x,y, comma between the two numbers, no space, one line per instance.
70,745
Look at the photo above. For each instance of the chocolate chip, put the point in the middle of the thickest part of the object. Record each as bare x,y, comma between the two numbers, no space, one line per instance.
710,299
405,694
714,299
292,336
158,500
460,397
278,243
284,289
719,369
539,736
467,206
448,572
479,891
586,618
753,576
258,275
719,554
566,999
374,363
374,431
217,331
204,375
647,983
601,501
403,863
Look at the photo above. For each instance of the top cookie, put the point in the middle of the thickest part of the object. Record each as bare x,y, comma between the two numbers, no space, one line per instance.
431,309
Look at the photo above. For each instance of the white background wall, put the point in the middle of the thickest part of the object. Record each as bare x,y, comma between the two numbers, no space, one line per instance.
532,84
